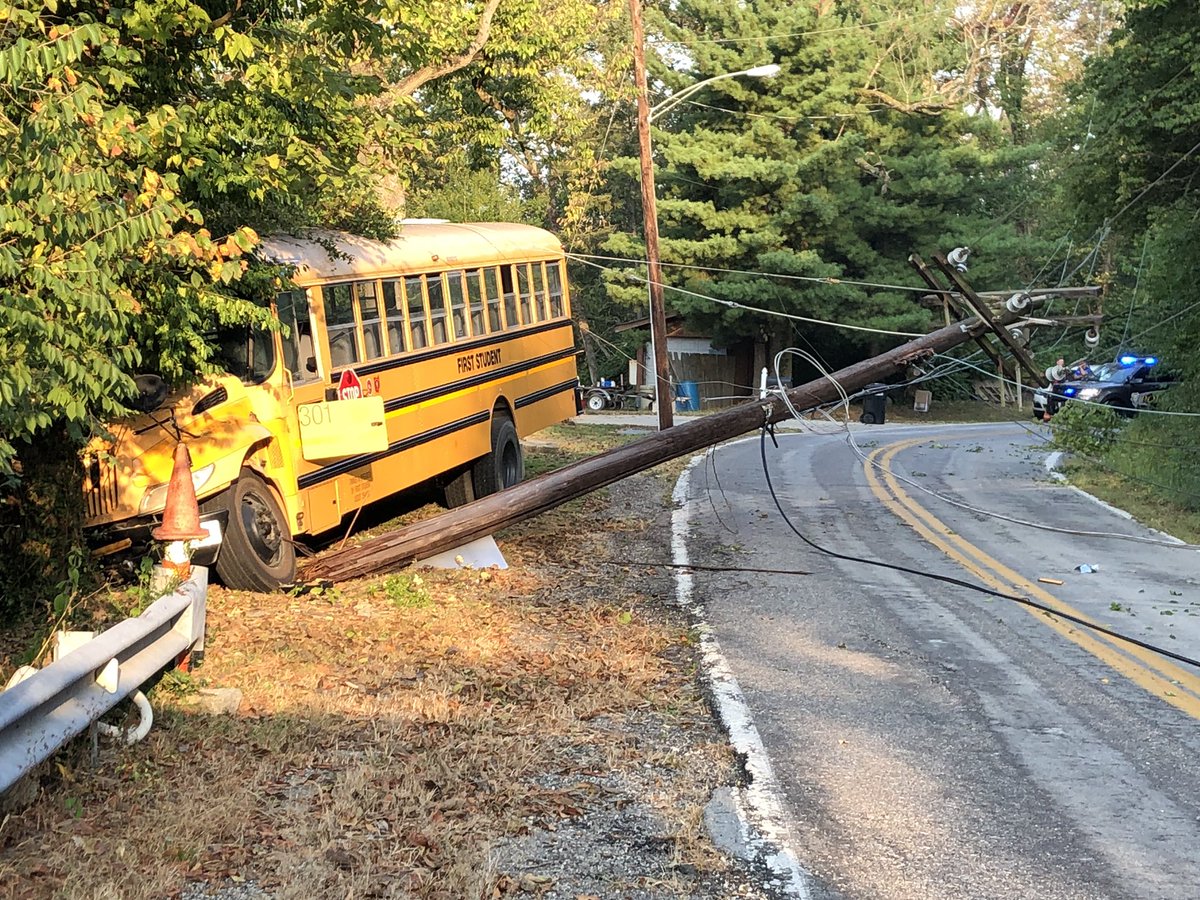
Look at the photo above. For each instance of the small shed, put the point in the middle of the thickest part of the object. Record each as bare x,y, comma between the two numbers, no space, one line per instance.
723,375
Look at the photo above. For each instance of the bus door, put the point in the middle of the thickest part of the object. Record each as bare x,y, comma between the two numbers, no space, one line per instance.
336,423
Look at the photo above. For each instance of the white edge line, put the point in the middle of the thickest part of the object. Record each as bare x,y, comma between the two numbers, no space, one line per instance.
1052,462
760,809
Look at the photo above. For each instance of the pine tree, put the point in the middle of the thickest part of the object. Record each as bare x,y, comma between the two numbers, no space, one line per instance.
861,151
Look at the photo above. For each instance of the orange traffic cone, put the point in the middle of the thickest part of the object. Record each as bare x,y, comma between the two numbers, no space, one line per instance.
181,517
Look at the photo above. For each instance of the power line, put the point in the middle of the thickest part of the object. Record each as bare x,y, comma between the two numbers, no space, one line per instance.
815,279
958,582
858,26
1136,284
733,304
950,500
739,112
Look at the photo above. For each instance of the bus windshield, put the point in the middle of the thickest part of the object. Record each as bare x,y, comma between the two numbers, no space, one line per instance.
244,352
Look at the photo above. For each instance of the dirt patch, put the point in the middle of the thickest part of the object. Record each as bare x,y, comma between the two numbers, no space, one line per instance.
537,731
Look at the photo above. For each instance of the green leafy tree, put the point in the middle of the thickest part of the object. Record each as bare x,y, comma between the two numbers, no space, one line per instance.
150,143
95,242
1127,164
1130,159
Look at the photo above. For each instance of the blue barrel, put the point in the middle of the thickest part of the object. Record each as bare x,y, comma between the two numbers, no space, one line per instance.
688,399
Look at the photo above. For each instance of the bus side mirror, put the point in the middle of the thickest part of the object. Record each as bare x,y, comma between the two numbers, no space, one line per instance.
311,364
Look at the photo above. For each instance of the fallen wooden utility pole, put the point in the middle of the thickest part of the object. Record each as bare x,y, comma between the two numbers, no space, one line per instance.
483,517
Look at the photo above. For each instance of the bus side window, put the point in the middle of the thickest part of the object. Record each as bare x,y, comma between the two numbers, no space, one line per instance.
554,278
437,307
471,288
528,310
510,298
339,319
491,285
418,316
368,314
298,353
393,313
454,287
539,290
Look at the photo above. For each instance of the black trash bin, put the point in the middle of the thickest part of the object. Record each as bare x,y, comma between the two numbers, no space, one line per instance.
874,404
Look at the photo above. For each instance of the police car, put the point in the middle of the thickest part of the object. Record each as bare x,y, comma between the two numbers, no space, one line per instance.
1126,384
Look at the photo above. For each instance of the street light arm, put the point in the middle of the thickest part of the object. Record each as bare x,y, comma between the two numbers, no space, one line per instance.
767,71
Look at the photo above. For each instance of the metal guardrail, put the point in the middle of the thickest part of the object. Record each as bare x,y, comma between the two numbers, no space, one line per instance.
43,712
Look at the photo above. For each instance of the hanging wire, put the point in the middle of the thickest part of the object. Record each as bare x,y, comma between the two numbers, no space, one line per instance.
733,304
1133,300
815,279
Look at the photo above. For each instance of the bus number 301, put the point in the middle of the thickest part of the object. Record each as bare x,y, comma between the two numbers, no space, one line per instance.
474,362
315,414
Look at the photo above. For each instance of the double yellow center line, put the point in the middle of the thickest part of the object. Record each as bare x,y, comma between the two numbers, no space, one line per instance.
1150,671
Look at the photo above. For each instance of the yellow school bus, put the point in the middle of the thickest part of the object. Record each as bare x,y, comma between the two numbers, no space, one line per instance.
427,357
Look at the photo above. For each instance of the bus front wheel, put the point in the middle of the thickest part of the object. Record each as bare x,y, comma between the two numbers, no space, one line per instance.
257,553
505,465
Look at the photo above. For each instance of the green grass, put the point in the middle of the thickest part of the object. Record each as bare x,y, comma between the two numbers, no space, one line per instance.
406,591
1139,500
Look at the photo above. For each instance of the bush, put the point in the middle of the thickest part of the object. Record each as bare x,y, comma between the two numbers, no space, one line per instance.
1162,451
1086,429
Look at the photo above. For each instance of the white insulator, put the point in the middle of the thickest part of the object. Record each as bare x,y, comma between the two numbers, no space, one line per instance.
1017,302
1092,336
1019,334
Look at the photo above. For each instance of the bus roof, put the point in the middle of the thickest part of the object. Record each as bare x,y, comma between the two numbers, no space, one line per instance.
420,247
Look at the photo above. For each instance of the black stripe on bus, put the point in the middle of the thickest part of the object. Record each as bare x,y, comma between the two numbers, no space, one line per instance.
546,393
451,349
475,380
354,462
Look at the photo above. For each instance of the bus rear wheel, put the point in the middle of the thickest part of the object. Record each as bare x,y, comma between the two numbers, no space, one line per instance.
257,553
460,489
505,465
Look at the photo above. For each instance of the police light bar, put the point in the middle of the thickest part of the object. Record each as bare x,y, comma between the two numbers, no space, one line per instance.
1150,360
1127,360
1069,391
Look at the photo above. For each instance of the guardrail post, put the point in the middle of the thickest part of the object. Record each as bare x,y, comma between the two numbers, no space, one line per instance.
190,624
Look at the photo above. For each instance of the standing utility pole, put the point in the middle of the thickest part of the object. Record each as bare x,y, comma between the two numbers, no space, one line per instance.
658,318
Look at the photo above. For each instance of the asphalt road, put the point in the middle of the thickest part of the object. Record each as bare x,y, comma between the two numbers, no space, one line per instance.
931,741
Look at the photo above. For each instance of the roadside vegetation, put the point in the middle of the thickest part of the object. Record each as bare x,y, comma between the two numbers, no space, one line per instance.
416,734
1148,466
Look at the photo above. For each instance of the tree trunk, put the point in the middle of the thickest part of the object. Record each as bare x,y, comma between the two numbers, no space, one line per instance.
589,350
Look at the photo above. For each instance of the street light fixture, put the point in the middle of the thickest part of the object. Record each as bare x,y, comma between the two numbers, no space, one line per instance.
768,71
658,319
